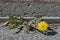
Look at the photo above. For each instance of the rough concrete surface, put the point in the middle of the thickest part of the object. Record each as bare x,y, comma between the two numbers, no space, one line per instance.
28,9
6,34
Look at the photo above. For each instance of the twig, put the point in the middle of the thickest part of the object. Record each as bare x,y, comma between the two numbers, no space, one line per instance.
4,23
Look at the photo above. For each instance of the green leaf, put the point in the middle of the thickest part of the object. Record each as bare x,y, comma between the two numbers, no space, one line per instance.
38,17
13,21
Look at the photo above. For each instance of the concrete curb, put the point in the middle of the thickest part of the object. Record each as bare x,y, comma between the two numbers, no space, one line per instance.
44,17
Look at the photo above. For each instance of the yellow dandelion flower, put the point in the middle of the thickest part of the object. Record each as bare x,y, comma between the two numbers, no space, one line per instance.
42,26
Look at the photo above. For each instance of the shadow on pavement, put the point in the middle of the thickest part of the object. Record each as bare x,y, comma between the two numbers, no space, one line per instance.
50,32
